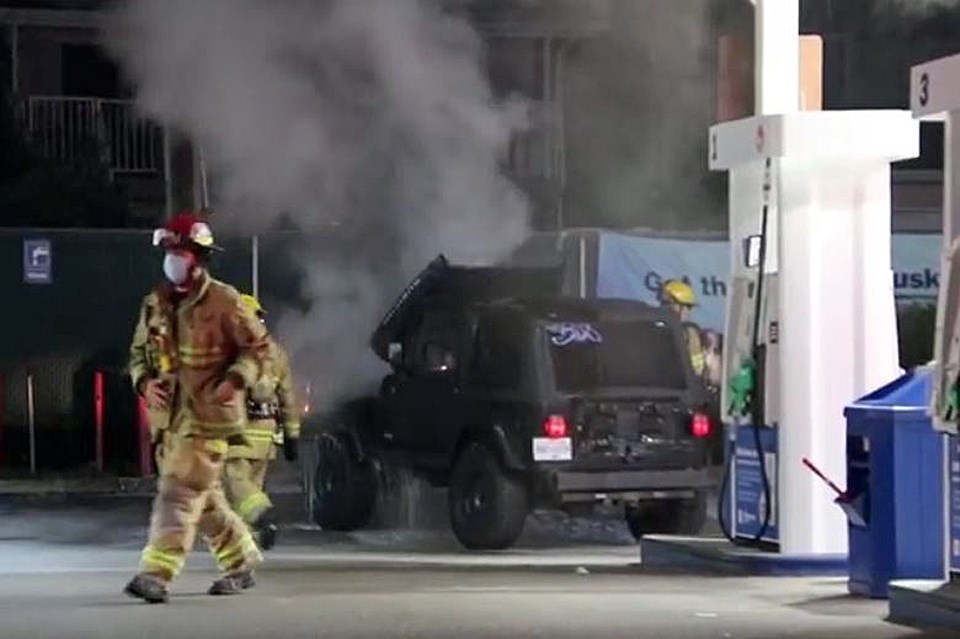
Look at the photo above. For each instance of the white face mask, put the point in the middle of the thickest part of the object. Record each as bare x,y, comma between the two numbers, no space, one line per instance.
176,268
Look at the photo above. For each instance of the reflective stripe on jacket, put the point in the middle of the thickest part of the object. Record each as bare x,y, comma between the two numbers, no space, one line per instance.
698,356
208,335
274,386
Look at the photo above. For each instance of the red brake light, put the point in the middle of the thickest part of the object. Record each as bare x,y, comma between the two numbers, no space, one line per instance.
700,425
555,427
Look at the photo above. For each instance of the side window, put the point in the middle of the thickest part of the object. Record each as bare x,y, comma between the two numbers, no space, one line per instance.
409,345
438,358
497,362
435,344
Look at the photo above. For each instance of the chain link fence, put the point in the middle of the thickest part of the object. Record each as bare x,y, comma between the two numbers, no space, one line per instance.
62,332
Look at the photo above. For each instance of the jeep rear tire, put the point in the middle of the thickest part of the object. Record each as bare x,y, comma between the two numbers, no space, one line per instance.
669,517
393,506
344,487
487,505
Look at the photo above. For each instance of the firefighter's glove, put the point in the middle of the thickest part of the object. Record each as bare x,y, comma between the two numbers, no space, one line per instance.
290,448
155,392
226,391
741,389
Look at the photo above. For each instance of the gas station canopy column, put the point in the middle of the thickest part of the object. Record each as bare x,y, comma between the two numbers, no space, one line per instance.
935,95
834,332
815,185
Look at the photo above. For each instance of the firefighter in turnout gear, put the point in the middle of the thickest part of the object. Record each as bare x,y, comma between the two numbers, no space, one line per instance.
272,420
153,356
679,296
196,348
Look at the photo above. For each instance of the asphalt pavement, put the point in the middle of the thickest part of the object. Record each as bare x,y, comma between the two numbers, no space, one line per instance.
63,563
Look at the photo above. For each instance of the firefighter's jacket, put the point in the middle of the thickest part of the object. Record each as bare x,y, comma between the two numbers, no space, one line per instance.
272,410
695,346
193,344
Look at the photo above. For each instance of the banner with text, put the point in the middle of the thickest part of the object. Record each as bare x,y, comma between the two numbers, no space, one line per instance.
632,267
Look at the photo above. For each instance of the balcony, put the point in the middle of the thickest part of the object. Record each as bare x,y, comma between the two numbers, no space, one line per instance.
105,137
94,132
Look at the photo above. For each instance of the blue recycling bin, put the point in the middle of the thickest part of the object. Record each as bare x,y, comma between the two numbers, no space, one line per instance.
894,498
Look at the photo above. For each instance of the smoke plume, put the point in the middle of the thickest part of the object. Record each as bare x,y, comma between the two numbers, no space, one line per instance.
367,122
639,101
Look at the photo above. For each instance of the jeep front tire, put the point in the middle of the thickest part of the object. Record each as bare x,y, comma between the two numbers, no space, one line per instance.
344,487
488,506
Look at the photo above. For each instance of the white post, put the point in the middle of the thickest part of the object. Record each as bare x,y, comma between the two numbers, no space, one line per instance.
777,38
31,424
951,178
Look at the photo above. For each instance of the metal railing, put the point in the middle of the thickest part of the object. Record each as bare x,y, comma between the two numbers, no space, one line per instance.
93,131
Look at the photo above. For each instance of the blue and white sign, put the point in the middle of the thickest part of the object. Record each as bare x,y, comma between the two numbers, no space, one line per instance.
37,261
953,443
633,267
748,493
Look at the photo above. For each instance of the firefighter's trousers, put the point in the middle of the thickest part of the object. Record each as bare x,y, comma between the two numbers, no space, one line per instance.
164,442
244,481
189,499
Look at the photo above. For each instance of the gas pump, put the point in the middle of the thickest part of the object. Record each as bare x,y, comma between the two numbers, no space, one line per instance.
815,188
811,320
935,94
748,497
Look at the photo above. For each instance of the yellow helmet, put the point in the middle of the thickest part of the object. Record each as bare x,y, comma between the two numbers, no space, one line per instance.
677,292
253,304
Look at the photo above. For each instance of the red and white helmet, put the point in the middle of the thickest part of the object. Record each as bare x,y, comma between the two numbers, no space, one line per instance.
185,230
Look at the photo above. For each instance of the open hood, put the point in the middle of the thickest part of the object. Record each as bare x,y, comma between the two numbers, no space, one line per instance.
458,286
393,322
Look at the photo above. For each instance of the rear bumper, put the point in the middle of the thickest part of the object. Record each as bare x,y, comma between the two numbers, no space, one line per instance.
569,485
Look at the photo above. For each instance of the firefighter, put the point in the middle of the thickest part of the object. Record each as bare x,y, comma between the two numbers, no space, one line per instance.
272,420
679,297
201,348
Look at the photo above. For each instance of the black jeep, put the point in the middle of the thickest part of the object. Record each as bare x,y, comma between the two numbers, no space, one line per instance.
515,397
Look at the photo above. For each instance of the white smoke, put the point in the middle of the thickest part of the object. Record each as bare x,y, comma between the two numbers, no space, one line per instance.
370,116
642,96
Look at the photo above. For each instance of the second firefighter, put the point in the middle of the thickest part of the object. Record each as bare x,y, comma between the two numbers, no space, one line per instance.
272,420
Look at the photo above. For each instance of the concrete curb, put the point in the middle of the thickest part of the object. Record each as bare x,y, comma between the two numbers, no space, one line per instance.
921,604
119,486
70,486
718,556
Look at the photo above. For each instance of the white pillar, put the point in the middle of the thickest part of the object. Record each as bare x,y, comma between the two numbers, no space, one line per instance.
830,223
777,44
935,94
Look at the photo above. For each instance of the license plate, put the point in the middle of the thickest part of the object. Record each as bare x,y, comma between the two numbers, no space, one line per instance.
548,449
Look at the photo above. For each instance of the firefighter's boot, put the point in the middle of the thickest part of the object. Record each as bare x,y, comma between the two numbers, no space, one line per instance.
265,528
233,583
150,589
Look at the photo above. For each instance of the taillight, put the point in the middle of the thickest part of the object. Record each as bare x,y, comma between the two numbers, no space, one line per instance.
700,425
555,427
